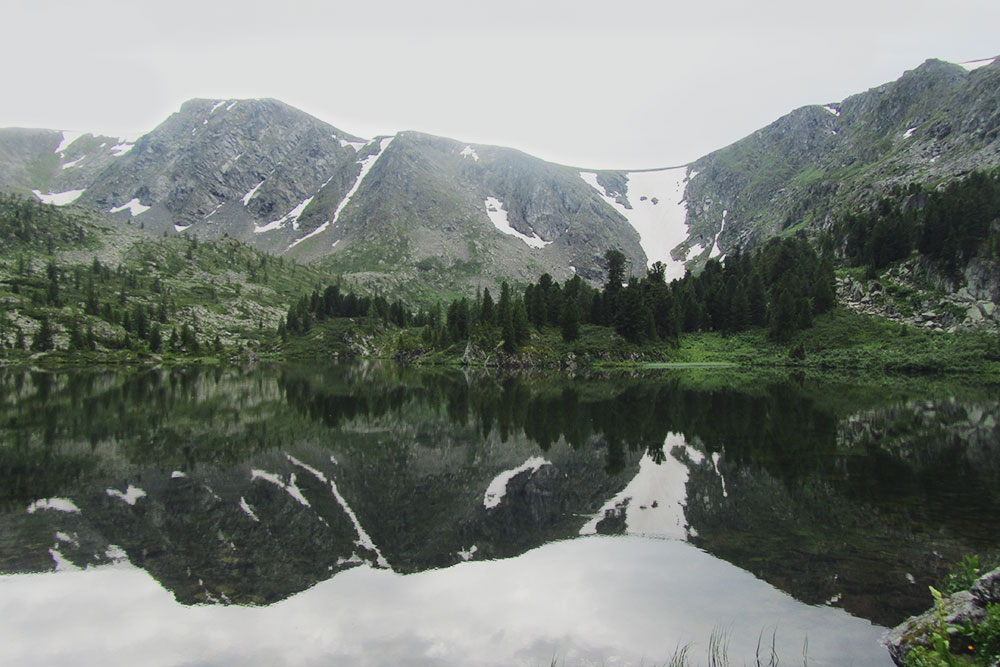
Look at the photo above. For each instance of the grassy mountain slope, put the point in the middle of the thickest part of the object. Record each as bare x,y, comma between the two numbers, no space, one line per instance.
109,284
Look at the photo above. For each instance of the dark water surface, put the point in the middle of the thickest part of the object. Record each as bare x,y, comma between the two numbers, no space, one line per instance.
370,514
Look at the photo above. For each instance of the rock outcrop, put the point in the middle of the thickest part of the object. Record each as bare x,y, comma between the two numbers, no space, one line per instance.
961,609
915,294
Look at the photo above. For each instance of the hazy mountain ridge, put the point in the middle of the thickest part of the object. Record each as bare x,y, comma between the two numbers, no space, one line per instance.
51,161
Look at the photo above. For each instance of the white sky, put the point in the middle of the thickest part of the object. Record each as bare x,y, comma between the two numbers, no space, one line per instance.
626,84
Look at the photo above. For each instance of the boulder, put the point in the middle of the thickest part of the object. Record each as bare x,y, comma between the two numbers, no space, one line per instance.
986,590
962,608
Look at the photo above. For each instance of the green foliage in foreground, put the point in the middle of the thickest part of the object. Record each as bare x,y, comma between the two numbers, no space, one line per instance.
971,644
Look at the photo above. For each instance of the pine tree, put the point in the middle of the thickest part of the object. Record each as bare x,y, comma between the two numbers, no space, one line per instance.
507,332
615,260
77,341
42,341
522,328
757,300
570,321
53,287
155,338
487,311
783,316
633,319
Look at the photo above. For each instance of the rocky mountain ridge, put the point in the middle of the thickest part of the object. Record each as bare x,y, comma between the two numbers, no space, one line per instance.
936,123
450,216
386,209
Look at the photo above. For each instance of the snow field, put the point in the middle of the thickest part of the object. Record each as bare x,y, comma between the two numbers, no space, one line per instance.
656,497
658,213
58,198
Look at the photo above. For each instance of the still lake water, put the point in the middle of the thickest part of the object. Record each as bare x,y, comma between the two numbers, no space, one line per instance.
376,515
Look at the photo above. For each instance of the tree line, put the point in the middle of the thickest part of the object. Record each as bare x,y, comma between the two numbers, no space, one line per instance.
781,287
951,225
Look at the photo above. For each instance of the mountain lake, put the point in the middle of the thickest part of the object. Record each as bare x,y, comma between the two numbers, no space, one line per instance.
372,514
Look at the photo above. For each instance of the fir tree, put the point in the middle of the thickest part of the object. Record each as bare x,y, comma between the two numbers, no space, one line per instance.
570,321
42,341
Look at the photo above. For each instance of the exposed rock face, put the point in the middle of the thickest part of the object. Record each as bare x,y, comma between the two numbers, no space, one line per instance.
427,211
200,166
914,293
962,608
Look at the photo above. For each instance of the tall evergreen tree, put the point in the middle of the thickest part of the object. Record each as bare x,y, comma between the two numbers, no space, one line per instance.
43,339
570,324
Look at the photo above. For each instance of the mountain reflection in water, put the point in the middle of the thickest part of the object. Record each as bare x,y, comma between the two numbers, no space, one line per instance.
247,487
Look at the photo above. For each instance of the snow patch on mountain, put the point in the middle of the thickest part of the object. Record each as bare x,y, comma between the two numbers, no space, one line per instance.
74,162
67,140
63,564
356,145
248,196
57,504
290,487
216,106
909,132
716,457
658,213
655,499
292,217
832,109
498,216
245,506
130,495
123,146
469,151
63,537
58,198
133,206
366,165
498,487
716,248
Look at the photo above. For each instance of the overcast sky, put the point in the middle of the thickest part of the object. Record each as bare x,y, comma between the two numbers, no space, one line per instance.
626,84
